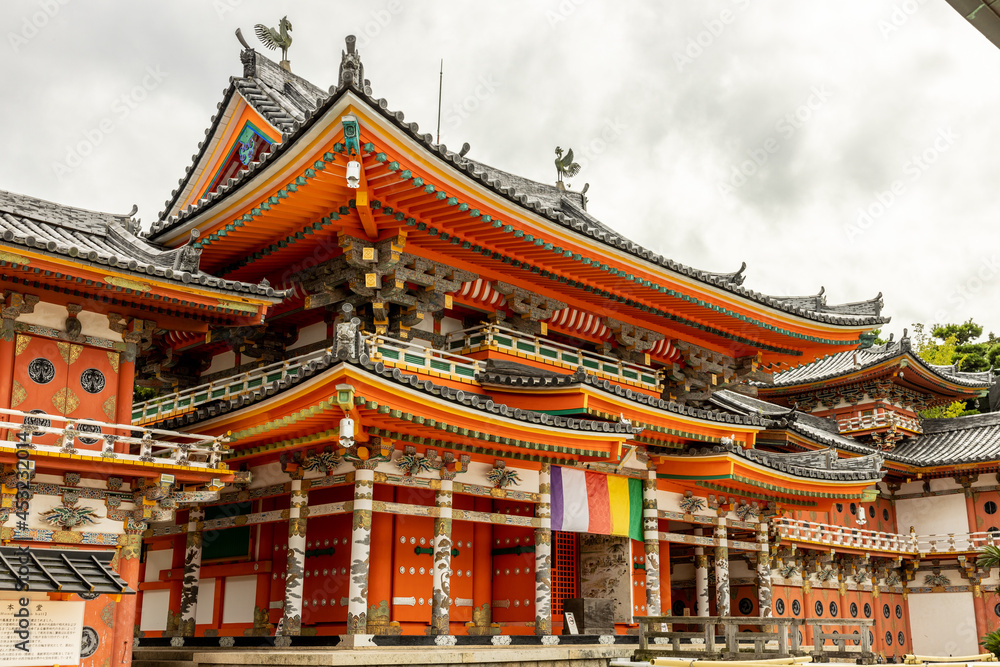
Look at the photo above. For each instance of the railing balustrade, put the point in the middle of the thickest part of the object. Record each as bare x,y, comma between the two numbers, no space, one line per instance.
104,441
501,338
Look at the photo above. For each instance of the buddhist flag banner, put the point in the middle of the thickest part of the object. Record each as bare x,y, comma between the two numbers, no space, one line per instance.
590,502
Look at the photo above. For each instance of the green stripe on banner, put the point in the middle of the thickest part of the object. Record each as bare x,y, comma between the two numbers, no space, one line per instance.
635,509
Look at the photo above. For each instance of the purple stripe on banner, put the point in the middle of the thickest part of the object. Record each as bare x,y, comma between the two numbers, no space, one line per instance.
556,483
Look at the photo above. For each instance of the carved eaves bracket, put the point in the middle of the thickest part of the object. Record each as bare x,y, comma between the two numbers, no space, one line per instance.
703,372
530,307
392,290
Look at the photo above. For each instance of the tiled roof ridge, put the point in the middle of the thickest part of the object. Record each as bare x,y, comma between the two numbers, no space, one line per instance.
105,239
773,460
948,424
350,80
867,358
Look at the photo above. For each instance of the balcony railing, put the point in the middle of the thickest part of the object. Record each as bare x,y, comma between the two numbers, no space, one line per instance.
881,419
102,441
869,540
413,357
187,400
491,336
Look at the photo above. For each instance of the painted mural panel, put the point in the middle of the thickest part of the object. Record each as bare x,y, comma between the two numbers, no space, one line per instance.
604,572
41,372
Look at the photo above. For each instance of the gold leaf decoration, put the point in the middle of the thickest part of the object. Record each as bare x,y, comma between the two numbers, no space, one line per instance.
69,352
113,360
17,395
110,408
128,284
22,343
235,305
65,401
13,259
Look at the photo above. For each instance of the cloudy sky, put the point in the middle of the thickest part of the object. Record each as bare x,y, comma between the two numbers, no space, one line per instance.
839,143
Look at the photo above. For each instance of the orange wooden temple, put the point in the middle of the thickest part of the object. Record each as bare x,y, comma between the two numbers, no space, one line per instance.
405,397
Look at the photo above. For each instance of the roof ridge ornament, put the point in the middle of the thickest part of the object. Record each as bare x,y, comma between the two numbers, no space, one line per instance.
247,56
274,39
565,166
352,71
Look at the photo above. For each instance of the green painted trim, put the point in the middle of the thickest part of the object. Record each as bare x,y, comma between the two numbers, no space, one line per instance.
232,148
757,496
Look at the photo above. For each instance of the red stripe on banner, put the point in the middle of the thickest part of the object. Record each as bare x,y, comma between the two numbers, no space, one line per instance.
599,504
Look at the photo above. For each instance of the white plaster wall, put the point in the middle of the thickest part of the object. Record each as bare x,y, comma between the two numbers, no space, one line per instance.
933,515
738,569
206,601
96,324
239,598
450,324
222,362
268,474
155,605
943,624
911,487
944,484
682,572
156,562
47,315
313,333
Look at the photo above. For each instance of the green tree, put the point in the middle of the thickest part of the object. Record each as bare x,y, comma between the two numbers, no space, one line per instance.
956,344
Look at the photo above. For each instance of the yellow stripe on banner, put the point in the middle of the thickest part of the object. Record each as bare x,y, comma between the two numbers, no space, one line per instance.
620,510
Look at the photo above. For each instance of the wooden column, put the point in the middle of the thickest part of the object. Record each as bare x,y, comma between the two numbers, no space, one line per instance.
721,569
651,542
666,595
702,605
381,565
11,307
192,574
979,602
125,609
482,572
543,554
441,597
291,619
763,572
361,536
265,547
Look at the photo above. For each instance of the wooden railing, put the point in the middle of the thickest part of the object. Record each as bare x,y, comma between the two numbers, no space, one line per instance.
546,351
843,642
781,642
881,418
101,441
187,400
427,360
846,537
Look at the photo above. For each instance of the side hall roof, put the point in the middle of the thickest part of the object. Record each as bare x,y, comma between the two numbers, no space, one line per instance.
106,240
293,106
846,363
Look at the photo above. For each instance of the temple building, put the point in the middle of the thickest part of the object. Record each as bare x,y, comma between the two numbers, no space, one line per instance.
405,398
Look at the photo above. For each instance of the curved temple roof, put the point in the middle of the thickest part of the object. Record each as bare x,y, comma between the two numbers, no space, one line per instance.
105,239
845,363
292,105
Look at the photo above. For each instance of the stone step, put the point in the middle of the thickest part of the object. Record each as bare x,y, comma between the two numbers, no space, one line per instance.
164,663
